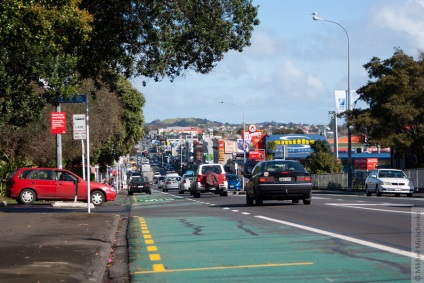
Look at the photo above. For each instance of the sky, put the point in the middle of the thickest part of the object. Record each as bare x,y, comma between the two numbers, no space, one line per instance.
294,64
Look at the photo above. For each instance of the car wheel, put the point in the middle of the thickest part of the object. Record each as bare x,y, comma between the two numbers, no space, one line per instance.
378,191
163,190
181,192
97,198
409,195
295,201
258,200
130,193
197,194
307,201
249,200
224,193
150,192
367,192
27,196
397,195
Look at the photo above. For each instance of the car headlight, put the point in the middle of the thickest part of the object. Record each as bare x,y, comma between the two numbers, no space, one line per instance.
410,183
385,183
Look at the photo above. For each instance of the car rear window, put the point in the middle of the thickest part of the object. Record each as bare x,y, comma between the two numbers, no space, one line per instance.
283,166
213,168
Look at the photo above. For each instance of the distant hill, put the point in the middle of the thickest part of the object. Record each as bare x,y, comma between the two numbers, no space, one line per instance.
182,122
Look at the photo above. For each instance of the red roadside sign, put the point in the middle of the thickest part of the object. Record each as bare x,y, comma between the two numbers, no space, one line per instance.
58,123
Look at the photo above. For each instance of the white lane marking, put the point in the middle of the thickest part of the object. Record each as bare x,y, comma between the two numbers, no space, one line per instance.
361,206
235,210
342,237
246,213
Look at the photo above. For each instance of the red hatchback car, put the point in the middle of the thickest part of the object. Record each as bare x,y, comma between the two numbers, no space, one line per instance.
29,184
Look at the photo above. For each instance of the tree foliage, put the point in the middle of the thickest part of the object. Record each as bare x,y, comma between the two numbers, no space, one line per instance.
395,94
322,161
38,40
155,39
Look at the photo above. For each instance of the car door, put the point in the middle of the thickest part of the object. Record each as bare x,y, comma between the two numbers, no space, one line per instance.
372,180
44,183
66,185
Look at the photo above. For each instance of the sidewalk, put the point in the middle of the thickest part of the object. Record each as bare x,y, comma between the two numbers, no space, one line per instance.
42,243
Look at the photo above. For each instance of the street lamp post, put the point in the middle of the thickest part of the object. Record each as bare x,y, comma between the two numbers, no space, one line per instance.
244,146
349,131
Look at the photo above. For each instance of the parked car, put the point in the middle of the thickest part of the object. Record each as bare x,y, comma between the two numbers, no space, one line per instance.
184,184
27,185
234,182
139,185
171,182
209,177
161,181
388,181
278,180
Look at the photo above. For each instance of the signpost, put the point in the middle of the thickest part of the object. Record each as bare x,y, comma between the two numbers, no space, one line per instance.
58,123
80,132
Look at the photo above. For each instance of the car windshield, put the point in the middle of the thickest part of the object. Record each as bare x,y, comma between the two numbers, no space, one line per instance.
391,174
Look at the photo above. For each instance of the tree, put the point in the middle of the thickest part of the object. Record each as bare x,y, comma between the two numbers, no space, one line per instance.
38,45
155,39
395,94
322,161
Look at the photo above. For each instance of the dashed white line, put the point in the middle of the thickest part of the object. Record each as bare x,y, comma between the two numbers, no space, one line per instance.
342,237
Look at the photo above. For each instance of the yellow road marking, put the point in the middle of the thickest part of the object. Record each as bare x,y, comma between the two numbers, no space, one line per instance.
152,248
149,242
225,267
158,267
154,257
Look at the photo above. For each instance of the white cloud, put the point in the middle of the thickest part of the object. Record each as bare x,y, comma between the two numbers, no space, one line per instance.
404,17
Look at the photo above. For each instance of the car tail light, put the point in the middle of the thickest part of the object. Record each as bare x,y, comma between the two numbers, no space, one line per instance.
266,179
303,178
199,178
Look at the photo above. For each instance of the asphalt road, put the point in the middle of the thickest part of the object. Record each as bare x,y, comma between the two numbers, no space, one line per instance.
338,238
167,237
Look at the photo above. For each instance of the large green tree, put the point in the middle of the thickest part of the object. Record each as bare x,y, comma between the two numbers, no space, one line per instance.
157,39
38,46
395,94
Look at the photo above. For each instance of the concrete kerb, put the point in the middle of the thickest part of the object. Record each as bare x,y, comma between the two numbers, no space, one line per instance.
74,204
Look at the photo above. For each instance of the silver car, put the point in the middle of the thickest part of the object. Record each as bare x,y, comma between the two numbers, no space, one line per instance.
171,183
388,181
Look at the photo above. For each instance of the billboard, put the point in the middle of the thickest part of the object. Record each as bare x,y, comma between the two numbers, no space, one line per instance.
294,145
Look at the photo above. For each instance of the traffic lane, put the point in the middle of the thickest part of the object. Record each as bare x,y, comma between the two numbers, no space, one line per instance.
198,241
390,226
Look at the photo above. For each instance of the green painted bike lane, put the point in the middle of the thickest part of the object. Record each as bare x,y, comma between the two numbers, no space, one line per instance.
180,247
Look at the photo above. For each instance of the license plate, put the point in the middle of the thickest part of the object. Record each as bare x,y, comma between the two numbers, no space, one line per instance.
140,186
284,179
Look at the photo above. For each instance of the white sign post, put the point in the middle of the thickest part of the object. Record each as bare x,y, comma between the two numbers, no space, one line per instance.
80,131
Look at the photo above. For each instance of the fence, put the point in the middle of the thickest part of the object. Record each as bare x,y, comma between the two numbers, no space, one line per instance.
339,181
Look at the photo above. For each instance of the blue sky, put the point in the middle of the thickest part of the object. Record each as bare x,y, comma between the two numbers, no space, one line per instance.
294,65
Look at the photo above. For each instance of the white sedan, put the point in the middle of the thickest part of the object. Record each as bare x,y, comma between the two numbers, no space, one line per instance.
388,181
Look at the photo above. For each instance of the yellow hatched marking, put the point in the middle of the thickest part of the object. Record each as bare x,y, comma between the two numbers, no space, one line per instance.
158,268
154,257
226,267
152,248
